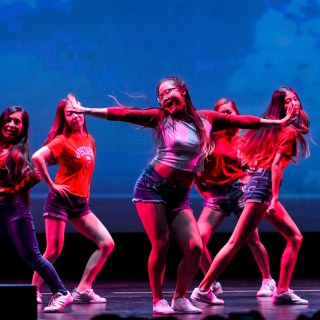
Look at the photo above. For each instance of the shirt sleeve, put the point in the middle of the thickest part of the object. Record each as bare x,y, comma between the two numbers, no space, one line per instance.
222,121
56,146
288,144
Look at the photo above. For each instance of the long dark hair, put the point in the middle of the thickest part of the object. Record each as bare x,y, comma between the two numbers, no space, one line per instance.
60,125
204,141
18,161
253,150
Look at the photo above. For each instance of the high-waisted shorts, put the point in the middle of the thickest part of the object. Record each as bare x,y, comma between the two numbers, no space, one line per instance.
65,208
226,199
258,189
151,187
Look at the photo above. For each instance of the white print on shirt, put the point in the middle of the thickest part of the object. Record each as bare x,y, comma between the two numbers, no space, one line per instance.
84,151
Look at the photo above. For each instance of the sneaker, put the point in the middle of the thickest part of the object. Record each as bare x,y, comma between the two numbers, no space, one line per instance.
267,288
39,297
216,288
162,307
87,296
206,297
183,305
58,302
287,297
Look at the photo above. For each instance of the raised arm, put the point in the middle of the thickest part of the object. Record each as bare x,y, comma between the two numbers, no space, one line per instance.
144,117
222,121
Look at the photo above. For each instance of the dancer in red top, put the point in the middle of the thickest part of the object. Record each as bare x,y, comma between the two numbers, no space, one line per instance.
71,146
161,193
17,176
268,152
221,185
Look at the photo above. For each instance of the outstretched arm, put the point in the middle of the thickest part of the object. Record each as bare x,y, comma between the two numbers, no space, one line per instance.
143,117
221,121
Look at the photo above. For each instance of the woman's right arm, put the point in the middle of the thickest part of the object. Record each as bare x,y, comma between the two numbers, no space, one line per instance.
40,158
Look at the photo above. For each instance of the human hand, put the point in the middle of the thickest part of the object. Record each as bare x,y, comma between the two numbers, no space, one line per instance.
75,105
63,190
291,116
272,207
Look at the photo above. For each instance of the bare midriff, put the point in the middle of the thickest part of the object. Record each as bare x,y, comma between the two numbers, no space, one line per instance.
175,176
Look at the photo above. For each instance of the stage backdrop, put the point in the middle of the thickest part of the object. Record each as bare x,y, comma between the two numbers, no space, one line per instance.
242,50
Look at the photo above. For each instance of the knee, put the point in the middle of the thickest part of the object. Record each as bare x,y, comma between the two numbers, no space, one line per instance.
297,240
234,246
196,248
52,254
106,247
161,244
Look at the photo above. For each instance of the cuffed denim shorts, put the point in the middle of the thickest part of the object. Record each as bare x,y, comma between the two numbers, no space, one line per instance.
65,208
151,187
226,199
258,189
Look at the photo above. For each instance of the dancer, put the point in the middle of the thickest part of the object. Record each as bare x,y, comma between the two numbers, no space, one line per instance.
161,193
220,184
269,152
17,176
71,146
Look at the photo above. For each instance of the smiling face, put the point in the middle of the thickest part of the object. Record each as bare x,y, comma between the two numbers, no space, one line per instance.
12,127
171,98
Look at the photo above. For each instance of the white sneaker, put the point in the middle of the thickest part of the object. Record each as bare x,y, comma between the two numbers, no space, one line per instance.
58,302
288,297
207,297
267,288
216,288
88,296
39,297
183,305
162,307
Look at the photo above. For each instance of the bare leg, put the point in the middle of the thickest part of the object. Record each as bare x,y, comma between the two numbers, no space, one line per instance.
92,228
249,220
282,222
208,223
260,254
185,230
154,221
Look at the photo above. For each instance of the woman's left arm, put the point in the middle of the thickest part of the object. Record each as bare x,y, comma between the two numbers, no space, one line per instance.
279,163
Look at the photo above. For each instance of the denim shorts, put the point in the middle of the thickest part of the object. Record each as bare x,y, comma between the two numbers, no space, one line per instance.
258,189
226,199
63,208
151,187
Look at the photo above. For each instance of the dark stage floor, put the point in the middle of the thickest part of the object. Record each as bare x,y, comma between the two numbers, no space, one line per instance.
133,299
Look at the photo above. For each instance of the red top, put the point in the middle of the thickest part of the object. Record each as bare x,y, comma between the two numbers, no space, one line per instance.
223,165
76,158
287,145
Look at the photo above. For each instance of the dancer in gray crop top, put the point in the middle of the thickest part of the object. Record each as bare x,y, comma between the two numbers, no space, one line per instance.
161,193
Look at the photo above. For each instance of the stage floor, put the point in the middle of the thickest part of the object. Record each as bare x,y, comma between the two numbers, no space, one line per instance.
133,299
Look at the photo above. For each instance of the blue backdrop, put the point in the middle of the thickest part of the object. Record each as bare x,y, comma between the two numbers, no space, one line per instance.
243,50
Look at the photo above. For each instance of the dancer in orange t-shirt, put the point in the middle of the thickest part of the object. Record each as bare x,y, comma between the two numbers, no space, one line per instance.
71,147
221,185
268,152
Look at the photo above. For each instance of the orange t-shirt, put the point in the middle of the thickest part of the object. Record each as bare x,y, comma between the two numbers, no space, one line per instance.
76,158
287,145
223,165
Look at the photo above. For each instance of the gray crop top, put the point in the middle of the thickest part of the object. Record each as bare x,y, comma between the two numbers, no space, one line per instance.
178,144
